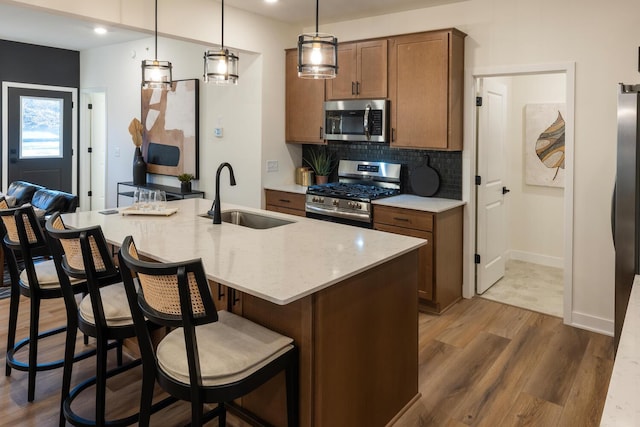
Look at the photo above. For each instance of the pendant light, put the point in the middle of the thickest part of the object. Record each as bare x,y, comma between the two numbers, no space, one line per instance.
221,66
317,54
156,74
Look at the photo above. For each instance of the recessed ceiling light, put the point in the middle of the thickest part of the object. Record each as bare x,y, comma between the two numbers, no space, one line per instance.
271,1
100,30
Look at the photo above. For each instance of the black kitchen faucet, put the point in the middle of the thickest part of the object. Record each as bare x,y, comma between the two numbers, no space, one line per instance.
215,208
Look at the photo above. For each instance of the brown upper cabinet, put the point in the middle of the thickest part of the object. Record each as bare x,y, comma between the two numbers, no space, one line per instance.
304,104
362,71
426,79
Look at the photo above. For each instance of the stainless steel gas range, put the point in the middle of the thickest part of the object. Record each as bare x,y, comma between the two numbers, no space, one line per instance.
348,201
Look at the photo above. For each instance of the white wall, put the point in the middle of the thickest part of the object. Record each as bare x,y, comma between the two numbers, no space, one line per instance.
603,42
536,213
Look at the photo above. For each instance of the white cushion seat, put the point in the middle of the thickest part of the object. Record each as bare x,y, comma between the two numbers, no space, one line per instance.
230,349
114,303
47,275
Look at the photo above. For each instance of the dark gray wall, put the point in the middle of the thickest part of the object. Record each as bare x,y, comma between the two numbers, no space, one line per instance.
28,63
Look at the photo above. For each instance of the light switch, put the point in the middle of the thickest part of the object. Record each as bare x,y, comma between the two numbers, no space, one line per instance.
217,132
272,166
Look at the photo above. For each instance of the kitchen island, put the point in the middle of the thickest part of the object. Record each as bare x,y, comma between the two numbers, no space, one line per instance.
346,295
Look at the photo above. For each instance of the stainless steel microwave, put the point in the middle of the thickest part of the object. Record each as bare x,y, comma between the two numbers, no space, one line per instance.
356,120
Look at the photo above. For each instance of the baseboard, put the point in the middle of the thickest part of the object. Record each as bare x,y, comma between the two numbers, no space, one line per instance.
548,260
592,323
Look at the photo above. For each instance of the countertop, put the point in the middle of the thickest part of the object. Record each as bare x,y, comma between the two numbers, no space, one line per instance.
408,201
280,265
411,201
622,407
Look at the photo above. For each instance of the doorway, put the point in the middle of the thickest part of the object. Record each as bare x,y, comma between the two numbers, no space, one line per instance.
39,135
537,222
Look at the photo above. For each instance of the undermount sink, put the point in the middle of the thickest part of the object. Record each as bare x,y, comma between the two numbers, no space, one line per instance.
250,219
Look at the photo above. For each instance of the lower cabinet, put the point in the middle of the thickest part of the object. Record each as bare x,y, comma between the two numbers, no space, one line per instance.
440,260
285,202
226,298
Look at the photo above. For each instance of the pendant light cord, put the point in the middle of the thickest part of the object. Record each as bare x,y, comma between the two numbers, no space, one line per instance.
156,57
317,9
222,27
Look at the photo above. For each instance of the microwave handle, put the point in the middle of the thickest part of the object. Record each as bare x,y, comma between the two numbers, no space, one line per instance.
367,110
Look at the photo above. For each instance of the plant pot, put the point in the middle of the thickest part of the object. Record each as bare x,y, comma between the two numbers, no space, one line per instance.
139,168
322,179
185,187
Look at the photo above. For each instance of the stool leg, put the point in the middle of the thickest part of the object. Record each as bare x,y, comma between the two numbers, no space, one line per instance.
14,302
291,374
119,353
146,398
101,380
33,346
69,351
196,412
222,418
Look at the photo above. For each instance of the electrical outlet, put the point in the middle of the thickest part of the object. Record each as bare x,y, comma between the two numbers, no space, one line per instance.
218,132
272,166
116,152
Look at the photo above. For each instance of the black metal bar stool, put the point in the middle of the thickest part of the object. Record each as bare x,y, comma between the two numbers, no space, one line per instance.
104,314
211,356
24,239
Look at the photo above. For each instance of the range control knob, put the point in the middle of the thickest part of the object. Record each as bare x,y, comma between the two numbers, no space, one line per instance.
336,202
315,199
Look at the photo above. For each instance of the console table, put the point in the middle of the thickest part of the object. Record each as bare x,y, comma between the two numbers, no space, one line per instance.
173,193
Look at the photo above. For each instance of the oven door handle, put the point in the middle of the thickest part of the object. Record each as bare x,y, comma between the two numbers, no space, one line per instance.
367,132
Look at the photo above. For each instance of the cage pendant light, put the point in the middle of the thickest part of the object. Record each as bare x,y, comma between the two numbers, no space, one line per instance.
317,54
156,74
221,66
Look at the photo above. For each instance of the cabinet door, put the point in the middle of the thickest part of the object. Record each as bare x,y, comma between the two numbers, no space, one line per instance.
372,69
425,257
418,90
343,85
304,104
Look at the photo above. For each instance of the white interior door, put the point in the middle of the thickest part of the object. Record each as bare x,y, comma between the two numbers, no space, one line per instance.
93,158
491,241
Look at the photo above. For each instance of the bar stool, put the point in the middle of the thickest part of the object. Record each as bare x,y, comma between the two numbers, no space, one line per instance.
211,356
23,237
104,314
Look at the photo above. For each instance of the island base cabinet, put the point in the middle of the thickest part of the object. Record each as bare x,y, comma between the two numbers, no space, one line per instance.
358,343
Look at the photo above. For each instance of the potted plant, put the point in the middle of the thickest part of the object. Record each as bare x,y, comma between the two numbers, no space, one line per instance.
322,162
185,182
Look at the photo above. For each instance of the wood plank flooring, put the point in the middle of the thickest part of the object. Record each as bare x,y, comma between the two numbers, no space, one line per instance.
481,364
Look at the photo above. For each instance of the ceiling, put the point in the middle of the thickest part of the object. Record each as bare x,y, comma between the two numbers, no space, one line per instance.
30,25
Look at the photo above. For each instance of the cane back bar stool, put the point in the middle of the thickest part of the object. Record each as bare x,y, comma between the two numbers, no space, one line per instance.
104,314
211,356
23,238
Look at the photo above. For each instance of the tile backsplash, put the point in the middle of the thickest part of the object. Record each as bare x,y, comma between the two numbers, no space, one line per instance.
448,164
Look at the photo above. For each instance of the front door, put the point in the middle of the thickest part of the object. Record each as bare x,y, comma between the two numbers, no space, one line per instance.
39,136
491,241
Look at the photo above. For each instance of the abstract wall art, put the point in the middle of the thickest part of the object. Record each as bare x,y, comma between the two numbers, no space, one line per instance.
544,144
170,123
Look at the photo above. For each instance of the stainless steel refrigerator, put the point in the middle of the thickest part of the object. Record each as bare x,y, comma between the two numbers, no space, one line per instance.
626,203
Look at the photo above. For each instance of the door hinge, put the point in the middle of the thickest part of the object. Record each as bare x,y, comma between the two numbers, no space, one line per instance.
89,150
89,193
477,258
478,101
478,180
90,106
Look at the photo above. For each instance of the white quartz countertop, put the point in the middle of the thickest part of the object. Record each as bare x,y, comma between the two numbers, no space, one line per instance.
280,264
622,408
411,201
291,188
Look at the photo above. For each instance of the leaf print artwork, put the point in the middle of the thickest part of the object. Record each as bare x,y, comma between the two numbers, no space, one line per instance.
550,145
544,144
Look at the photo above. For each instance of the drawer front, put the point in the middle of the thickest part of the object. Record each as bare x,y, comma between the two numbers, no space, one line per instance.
407,218
284,210
284,199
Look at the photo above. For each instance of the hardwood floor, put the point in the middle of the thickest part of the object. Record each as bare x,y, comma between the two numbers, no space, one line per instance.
481,363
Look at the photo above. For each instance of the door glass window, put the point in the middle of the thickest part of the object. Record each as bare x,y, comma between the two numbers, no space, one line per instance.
40,127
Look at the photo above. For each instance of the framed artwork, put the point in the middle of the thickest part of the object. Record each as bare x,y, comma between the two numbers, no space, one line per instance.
170,123
544,144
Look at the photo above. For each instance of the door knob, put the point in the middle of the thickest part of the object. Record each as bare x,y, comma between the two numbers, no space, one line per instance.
505,190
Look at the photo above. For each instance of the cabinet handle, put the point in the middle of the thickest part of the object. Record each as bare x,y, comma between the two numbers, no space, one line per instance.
393,134
401,219
234,298
357,88
284,200
353,88
321,135
220,293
